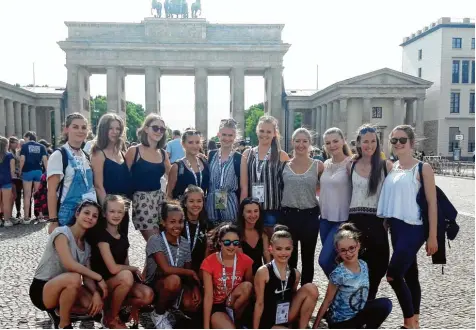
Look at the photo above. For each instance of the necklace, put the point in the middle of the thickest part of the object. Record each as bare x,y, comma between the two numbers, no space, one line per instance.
74,148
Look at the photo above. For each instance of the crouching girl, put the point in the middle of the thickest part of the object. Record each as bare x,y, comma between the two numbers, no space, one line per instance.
64,267
168,268
110,259
278,301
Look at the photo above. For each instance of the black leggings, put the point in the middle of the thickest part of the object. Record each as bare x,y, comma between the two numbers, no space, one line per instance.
304,227
372,316
375,247
18,189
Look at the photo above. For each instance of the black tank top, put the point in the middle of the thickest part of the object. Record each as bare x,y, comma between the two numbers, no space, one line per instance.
273,295
256,253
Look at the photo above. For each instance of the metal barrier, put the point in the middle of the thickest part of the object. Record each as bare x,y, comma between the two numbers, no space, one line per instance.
442,166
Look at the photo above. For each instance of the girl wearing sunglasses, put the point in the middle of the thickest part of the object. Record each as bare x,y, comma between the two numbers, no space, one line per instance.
227,276
190,170
278,301
398,204
254,240
148,162
346,300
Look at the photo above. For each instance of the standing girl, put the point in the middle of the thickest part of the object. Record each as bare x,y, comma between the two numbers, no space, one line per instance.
110,259
346,298
300,206
223,192
7,173
69,184
278,301
111,174
227,276
189,170
398,203
335,194
367,173
17,182
148,162
169,268
255,243
195,229
63,277
261,169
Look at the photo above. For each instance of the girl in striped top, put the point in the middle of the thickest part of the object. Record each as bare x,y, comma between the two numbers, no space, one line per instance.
261,169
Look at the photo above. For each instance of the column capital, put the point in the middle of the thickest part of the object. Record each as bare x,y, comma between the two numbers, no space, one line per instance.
201,71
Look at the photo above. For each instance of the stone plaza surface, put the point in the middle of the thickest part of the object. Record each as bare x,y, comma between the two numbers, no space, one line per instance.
447,299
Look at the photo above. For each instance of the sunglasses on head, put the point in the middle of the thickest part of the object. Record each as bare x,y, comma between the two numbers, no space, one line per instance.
227,242
366,130
157,128
402,140
249,200
192,132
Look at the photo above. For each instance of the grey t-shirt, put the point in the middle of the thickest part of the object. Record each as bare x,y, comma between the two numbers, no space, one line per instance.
50,264
156,244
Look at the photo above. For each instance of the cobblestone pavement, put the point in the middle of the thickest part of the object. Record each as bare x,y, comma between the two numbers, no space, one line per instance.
447,302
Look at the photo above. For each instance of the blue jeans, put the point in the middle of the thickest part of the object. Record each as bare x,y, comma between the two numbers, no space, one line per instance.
327,258
403,268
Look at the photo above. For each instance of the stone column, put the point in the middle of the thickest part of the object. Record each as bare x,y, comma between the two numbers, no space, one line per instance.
410,106
343,114
335,113
366,111
273,92
58,124
330,114
398,112
313,119
317,127
17,115
352,124
47,116
25,118
116,90
291,117
152,90
10,118
324,118
3,119
73,89
237,96
201,101
33,118
420,116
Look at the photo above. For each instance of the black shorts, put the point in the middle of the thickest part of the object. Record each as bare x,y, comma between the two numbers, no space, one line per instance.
36,294
218,308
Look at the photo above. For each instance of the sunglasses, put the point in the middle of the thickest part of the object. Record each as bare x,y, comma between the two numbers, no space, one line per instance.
157,128
366,130
249,200
351,249
402,140
227,242
192,132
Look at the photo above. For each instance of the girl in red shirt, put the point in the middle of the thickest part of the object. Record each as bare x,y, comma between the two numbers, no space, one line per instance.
227,276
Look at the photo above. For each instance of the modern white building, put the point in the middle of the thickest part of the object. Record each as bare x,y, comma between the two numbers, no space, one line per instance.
443,53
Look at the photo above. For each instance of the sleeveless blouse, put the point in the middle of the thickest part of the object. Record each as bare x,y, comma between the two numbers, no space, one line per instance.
271,178
335,194
185,178
256,253
361,202
116,178
299,190
145,175
398,196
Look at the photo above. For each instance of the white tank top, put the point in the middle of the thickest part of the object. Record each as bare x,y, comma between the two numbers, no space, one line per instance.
398,195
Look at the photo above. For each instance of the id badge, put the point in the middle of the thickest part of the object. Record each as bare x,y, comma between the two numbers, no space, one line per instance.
91,196
258,192
221,200
282,312
229,311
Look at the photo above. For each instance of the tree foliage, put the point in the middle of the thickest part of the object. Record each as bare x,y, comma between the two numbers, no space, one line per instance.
252,116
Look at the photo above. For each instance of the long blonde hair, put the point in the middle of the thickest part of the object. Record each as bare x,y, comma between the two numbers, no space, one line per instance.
338,131
102,137
3,148
275,145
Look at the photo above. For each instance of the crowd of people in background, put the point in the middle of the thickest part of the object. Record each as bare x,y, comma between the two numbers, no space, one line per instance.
222,224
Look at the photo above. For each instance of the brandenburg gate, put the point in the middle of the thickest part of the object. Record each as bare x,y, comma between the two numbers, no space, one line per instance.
160,46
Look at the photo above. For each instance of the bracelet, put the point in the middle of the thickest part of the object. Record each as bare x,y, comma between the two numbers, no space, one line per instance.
53,220
99,280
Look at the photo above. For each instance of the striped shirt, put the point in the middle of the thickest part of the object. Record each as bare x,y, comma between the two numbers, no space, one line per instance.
271,178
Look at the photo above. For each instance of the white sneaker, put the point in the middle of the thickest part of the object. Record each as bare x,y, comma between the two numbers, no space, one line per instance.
15,221
7,223
160,320
26,221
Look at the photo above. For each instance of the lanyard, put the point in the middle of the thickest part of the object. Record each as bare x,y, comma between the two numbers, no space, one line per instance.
222,167
259,167
224,276
170,253
193,172
194,238
276,272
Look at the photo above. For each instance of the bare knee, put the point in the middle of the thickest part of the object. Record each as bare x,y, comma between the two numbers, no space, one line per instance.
246,288
389,279
172,283
311,291
73,281
126,278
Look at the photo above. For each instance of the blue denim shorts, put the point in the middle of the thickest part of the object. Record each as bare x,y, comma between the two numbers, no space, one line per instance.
30,176
6,186
271,218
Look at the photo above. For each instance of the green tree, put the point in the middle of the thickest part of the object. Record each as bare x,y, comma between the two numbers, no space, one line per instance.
215,138
252,116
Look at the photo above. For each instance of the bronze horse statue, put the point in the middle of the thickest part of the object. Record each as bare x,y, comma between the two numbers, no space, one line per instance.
195,8
176,7
157,6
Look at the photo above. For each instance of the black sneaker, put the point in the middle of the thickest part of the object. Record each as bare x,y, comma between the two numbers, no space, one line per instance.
55,320
69,326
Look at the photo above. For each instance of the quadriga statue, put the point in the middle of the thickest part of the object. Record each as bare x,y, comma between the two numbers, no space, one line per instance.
176,7
157,7
196,8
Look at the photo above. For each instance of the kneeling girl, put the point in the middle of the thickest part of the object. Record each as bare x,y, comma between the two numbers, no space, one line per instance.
278,301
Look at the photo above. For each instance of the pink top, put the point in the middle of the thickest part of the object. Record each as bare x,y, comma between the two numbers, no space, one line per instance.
336,191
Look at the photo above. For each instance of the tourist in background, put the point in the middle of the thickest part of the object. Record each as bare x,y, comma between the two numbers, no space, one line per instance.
299,204
47,146
398,204
148,162
190,170
69,185
7,173
368,173
224,164
335,194
174,147
211,145
261,169
111,174
13,148
32,156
